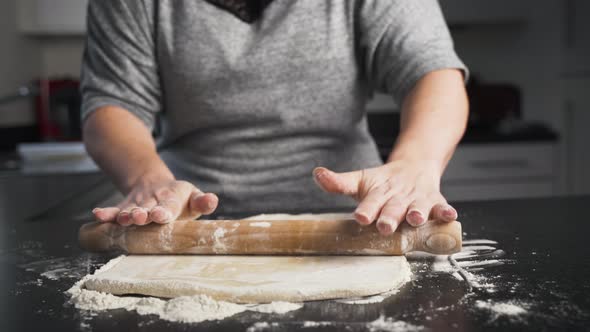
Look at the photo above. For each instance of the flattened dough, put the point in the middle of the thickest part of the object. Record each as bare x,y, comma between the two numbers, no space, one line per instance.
253,279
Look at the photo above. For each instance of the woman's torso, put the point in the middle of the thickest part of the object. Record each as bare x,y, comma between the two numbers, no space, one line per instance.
251,109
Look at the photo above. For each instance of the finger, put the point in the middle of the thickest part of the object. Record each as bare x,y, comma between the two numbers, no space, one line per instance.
139,216
148,203
203,203
392,214
170,203
161,213
369,208
419,211
108,214
444,212
124,217
337,183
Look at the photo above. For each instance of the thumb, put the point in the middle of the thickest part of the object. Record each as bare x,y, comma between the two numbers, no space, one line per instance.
337,183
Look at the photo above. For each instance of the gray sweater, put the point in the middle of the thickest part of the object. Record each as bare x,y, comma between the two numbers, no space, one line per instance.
251,109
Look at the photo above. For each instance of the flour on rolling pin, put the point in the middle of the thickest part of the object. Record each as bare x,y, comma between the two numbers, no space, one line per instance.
219,245
166,237
322,234
263,224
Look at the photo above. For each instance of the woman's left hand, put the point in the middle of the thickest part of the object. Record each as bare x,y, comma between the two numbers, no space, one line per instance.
389,194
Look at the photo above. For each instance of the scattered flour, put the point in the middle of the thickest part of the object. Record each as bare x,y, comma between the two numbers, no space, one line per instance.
187,309
388,324
310,324
369,299
502,308
479,241
381,324
478,247
261,326
218,245
441,264
476,255
275,307
55,274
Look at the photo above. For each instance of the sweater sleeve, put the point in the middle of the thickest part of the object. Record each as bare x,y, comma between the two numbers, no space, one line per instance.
400,41
119,66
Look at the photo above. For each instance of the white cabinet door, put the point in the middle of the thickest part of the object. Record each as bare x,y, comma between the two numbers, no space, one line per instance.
504,161
501,171
53,17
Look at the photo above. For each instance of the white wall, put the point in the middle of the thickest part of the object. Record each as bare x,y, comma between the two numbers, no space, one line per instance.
61,57
19,64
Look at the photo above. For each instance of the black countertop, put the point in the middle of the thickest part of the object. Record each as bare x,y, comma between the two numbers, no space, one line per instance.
545,271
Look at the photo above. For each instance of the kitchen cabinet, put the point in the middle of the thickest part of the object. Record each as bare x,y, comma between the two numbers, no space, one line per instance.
577,37
577,135
52,17
502,170
468,12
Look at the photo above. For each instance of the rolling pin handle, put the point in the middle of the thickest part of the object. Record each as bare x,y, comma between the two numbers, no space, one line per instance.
99,237
440,238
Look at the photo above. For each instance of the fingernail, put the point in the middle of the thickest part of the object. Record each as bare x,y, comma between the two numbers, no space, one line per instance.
362,217
95,210
210,205
136,210
123,218
415,218
449,212
319,173
385,226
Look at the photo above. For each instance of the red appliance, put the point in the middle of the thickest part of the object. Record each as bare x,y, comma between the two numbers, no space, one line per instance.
57,108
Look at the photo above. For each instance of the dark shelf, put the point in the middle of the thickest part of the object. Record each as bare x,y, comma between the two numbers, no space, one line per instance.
385,127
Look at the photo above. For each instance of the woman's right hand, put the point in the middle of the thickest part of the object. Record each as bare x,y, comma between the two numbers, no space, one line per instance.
161,201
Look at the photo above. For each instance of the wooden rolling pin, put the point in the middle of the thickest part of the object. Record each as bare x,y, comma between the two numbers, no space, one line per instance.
270,237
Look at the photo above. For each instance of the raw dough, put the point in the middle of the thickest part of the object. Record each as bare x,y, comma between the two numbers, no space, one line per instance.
255,279
188,309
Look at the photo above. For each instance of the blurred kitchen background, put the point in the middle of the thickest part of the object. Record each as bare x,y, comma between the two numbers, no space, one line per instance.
530,101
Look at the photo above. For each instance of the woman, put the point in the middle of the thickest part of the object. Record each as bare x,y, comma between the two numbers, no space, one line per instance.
257,94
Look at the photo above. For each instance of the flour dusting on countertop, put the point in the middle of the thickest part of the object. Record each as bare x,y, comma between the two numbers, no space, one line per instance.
381,324
502,308
388,324
261,326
